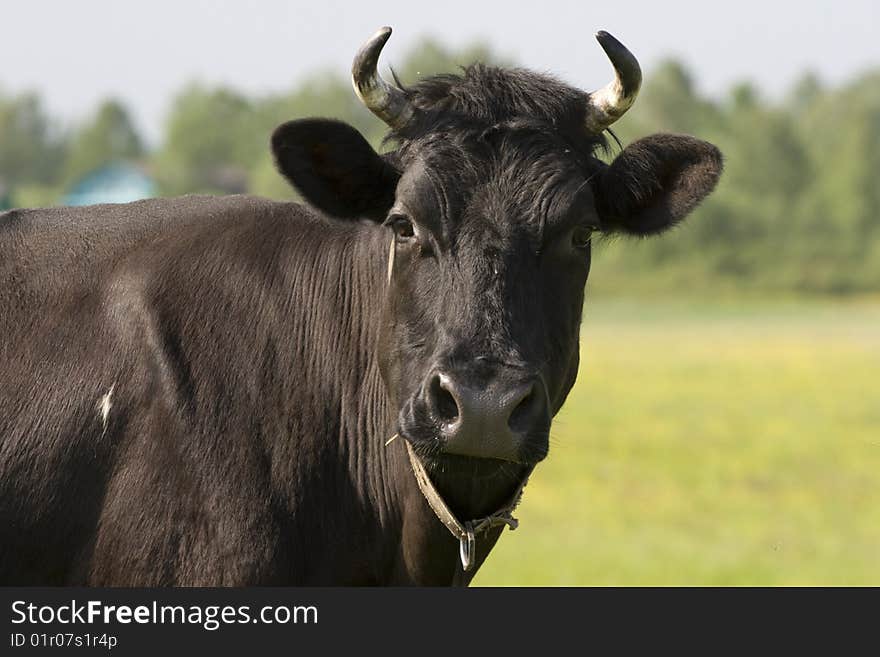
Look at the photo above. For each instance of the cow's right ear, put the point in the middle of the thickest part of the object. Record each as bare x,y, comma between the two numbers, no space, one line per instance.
655,182
335,168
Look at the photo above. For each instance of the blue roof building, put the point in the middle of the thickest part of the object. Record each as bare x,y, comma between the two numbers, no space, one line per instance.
118,182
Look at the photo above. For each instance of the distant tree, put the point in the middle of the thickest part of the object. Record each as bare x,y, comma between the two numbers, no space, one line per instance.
108,136
751,222
32,149
669,102
806,92
212,141
841,212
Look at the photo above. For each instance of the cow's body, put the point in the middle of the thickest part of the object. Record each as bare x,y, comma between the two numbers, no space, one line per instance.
189,396
200,390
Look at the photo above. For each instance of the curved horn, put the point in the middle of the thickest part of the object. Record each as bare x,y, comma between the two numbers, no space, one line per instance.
610,102
386,101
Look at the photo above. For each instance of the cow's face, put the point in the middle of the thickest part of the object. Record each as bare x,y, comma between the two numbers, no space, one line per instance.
491,234
489,207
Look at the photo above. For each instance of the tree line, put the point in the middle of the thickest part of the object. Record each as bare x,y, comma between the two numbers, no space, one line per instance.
797,209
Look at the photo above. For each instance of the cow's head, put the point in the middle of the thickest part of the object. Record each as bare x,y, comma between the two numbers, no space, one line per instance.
490,202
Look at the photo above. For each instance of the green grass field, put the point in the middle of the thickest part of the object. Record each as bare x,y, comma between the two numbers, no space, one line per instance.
710,444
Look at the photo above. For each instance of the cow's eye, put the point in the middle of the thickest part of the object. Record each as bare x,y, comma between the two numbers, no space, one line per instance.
581,236
402,227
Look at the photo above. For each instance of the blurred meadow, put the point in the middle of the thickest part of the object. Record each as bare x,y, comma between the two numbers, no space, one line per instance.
725,427
710,443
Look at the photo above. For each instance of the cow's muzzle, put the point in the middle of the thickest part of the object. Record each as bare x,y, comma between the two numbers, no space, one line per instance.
506,418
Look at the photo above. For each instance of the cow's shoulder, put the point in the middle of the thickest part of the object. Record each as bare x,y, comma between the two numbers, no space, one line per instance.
191,299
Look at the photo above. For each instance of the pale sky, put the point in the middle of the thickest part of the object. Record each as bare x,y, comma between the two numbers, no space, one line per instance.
79,51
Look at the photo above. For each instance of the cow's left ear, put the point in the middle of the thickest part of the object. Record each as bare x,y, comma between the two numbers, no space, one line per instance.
334,168
655,182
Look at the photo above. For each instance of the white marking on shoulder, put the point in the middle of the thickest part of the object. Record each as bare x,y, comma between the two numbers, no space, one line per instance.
104,405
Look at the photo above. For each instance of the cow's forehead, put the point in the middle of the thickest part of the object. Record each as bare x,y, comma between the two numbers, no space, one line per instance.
514,179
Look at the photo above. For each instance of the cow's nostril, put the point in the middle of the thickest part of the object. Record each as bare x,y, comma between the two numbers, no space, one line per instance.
445,406
527,411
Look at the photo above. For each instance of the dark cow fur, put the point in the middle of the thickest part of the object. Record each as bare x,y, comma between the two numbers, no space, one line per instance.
199,390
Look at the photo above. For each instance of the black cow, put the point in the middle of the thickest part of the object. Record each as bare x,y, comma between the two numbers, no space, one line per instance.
234,391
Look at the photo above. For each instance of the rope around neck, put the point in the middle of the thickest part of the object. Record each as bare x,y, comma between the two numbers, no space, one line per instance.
465,532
